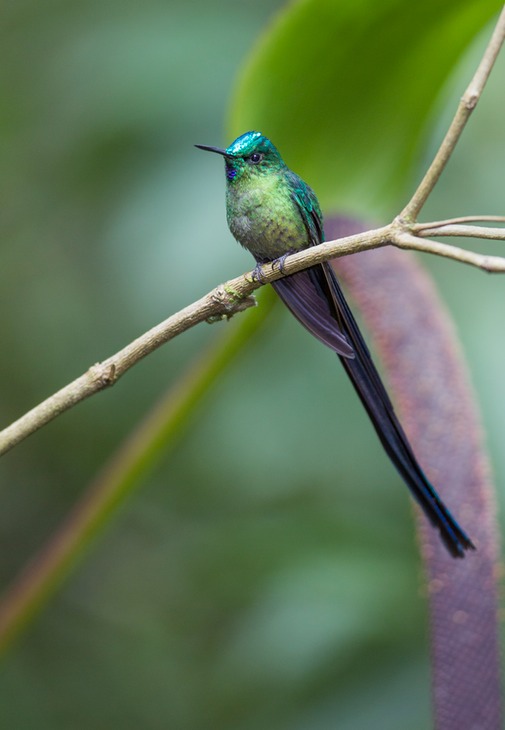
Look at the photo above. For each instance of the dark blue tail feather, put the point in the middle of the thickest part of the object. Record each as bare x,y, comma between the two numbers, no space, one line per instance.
315,298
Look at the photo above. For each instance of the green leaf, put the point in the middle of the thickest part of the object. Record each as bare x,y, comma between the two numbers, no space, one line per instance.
345,88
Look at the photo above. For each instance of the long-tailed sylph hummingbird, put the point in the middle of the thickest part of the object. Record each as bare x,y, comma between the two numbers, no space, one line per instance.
272,212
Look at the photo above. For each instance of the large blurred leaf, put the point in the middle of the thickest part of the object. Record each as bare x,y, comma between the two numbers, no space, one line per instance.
344,87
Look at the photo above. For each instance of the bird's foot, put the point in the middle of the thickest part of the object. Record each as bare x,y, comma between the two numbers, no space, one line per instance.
257,274
279,263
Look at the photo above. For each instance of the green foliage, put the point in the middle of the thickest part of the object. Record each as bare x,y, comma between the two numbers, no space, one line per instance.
347,88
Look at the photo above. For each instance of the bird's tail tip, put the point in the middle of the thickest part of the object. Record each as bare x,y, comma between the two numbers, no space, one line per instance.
455,539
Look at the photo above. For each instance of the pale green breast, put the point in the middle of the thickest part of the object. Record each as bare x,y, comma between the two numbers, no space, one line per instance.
264,218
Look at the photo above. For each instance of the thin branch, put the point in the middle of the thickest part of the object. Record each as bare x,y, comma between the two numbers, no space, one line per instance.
491,264
222,302
233,296
493,234
460,219
465,108
102,375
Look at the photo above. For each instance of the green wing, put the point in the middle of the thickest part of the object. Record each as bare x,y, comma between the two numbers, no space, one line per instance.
308,205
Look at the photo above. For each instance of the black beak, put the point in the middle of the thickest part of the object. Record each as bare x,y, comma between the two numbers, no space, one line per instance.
219,151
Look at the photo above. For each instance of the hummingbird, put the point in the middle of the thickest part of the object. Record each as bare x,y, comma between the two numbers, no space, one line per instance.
272,213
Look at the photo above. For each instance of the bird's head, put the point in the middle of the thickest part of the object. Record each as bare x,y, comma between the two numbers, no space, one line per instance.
250,155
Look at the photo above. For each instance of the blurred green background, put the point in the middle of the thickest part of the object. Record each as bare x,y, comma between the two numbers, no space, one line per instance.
263,576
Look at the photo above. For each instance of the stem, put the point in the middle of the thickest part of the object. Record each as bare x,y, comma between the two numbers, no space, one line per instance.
491,264
466,106
231,297
461,219
223,301
494,234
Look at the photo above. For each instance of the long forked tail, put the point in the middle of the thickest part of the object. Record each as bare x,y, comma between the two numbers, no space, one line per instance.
315,298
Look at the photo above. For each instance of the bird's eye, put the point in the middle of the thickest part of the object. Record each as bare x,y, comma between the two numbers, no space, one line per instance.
256,157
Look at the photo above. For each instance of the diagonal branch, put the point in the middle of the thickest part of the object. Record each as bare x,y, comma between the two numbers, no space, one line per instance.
226,300
466,106
220,303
